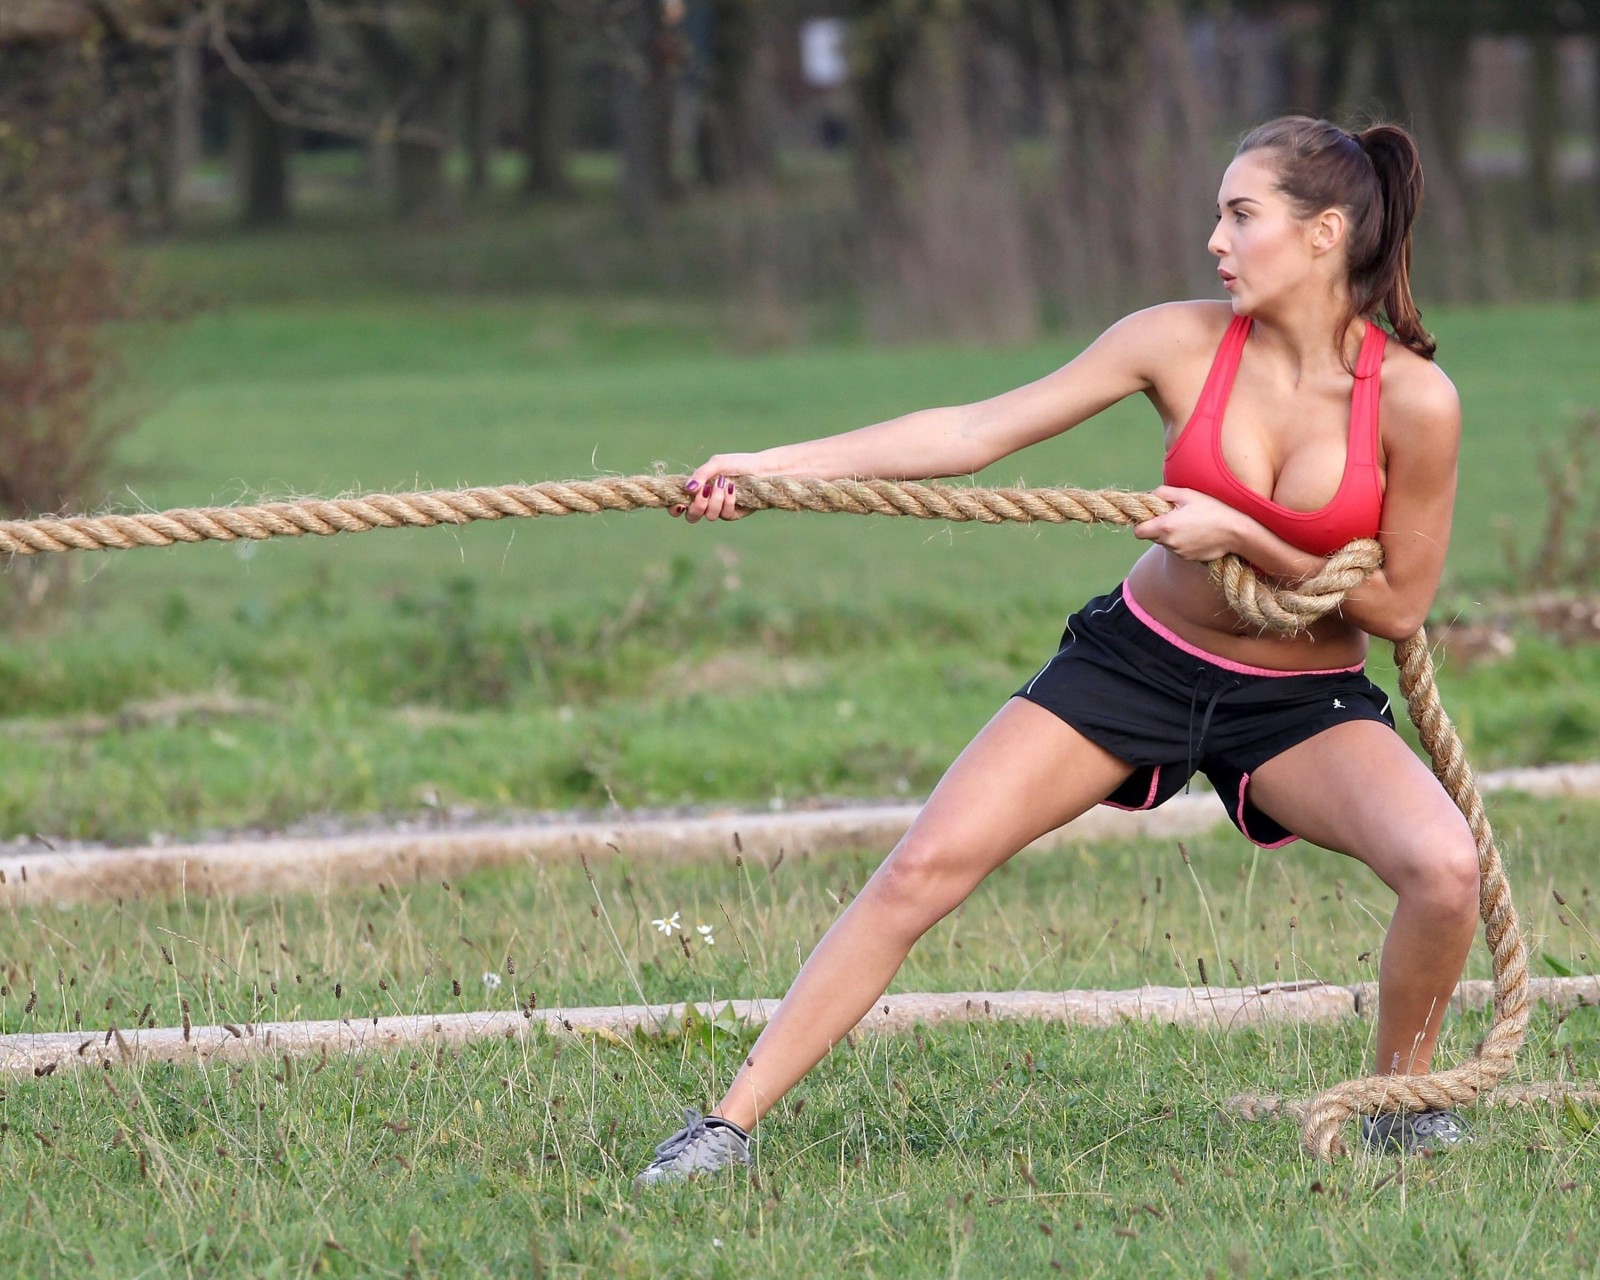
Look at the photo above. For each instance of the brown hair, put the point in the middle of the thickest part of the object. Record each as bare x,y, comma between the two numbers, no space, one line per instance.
1375,177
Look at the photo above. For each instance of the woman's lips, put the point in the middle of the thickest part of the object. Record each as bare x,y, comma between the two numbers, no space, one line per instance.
1228,280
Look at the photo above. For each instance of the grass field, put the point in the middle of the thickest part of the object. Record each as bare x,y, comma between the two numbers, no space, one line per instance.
1110,915
977,1150
980,1150
624,659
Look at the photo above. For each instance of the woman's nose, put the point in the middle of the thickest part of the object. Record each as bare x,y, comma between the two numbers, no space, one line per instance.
1217,244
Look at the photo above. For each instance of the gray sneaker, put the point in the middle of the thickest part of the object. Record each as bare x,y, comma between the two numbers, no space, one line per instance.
704,1145
1414,1132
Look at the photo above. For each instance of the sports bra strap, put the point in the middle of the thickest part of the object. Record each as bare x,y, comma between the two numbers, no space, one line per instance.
1224,367
1363,439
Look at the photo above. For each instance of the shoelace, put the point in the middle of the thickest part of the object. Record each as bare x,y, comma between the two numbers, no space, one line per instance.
1432,1124
693,1126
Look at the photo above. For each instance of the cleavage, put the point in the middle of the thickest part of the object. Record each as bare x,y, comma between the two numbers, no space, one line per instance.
1307,479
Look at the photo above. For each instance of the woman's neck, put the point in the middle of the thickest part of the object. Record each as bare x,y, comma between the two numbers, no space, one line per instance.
1301,337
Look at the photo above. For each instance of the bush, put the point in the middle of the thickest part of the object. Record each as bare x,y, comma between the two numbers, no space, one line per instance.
65,300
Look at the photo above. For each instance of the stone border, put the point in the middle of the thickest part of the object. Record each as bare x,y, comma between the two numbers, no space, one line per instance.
289,866
1220,1008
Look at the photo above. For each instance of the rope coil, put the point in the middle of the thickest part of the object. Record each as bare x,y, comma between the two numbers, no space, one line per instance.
1270,606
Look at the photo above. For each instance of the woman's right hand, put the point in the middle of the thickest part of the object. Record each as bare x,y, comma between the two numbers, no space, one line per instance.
712,488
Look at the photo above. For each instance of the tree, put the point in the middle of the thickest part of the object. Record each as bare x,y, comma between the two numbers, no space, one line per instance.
730,146
264,45
546,86
414,53
945,249
65,296
648,54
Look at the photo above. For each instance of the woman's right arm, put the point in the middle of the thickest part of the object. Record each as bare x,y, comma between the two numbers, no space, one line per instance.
962,439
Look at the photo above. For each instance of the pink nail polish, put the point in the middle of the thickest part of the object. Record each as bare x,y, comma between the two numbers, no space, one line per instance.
691,486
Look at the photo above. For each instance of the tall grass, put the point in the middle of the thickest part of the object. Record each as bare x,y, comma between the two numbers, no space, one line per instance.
1105,915
979,1149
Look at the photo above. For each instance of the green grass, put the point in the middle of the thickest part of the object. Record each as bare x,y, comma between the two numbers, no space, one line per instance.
972,1150
978,1149
627,658
1105,915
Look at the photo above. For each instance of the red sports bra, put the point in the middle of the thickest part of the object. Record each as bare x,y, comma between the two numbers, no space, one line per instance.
1195,460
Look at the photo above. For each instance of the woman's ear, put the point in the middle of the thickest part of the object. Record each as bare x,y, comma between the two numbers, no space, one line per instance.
1328,231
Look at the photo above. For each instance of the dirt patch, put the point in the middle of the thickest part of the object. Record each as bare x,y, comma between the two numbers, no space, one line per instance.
1219,1008
737,671
166,712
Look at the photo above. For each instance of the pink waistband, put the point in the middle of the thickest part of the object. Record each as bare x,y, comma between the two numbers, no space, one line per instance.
1228,664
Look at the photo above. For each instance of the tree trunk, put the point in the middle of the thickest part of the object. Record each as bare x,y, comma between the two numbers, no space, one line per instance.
644,116
474,100
182,137
1341,26
1543,129
1099,61
546,120
1428,69
261,161
730,147
884,42
420,189
946,251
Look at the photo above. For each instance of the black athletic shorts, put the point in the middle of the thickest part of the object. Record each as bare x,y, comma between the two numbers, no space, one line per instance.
1168,708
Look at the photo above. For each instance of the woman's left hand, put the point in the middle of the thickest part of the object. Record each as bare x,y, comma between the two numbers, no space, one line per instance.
1198,527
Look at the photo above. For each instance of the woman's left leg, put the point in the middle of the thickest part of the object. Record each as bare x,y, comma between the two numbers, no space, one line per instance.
1358,789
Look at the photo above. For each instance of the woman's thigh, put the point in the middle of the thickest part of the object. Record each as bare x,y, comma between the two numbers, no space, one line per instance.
1358,789
1026,773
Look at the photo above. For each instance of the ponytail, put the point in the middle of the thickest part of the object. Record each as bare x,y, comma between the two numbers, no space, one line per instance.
1375,177
1386,280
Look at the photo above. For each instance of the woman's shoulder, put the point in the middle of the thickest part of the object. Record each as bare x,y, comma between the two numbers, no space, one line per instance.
1161,338
1196,322
1418,397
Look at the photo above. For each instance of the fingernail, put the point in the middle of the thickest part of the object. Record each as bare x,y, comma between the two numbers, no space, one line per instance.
691,486
678,510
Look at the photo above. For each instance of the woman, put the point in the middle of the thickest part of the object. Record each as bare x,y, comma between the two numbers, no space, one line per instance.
1293,425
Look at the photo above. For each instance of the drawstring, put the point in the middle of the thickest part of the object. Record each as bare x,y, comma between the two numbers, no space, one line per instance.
1197,744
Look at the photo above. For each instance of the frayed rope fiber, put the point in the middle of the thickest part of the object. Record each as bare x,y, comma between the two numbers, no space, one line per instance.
1273,607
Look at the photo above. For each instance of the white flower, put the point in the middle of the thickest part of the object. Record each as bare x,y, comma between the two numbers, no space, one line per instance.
491,980
669,924
704,930
715,1243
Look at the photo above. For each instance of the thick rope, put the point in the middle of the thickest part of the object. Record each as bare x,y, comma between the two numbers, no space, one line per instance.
1271,607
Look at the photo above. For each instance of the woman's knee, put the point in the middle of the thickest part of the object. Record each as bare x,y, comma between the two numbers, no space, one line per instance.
1440,867
923,879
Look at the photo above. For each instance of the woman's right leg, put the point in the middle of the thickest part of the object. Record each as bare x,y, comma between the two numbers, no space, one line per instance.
1023,776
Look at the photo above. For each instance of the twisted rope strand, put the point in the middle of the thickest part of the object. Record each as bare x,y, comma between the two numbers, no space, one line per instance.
1272,607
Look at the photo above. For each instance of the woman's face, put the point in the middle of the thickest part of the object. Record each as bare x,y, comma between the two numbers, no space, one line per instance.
1264,253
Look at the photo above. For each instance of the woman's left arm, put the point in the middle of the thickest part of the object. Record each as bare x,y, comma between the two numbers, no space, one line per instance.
1423,419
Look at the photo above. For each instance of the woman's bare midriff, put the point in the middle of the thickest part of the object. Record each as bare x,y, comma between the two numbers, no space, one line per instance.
1180,595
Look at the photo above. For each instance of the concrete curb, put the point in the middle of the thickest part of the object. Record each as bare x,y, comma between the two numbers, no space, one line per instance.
1219,1008
288,866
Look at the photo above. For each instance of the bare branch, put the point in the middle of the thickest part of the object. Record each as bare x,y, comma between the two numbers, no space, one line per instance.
389,126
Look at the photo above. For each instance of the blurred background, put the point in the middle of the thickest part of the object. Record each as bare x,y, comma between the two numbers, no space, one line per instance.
973,169
259,247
